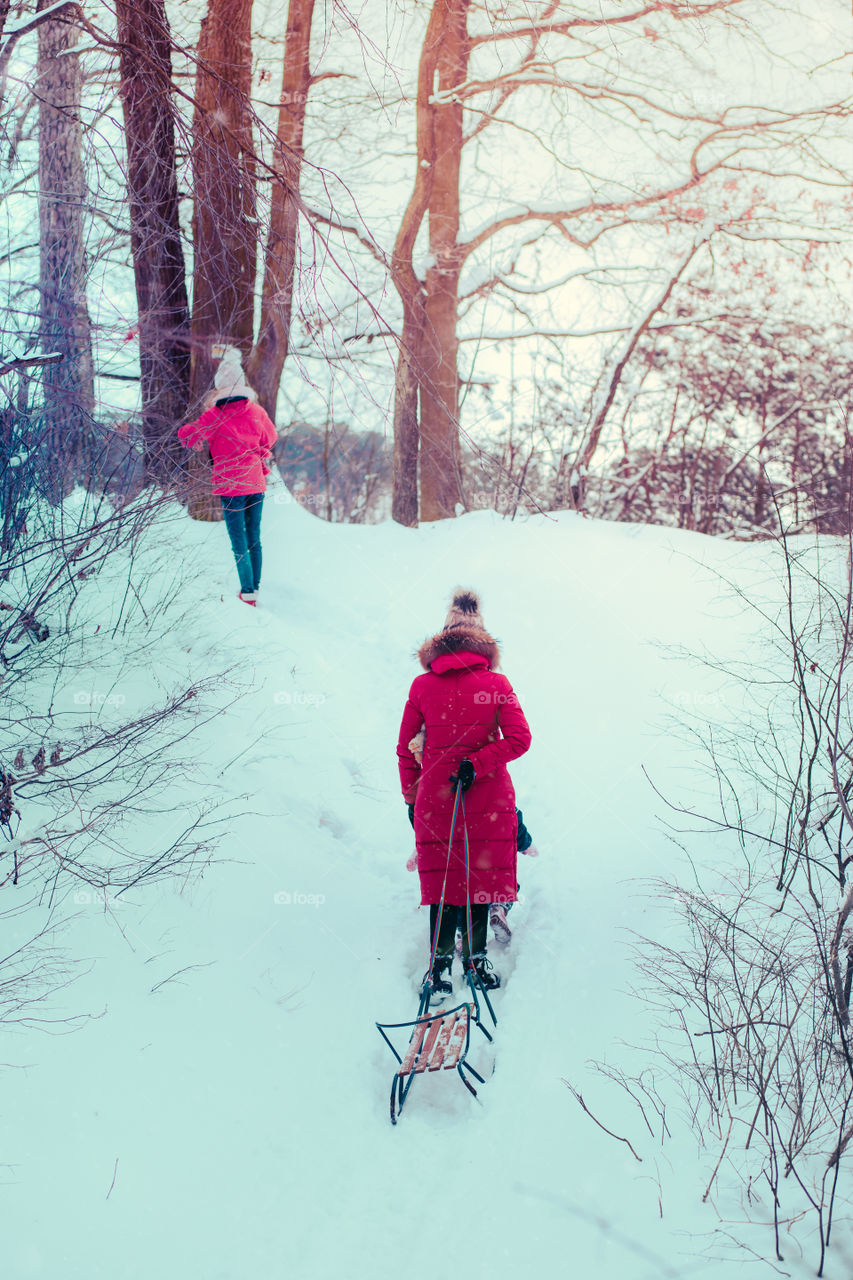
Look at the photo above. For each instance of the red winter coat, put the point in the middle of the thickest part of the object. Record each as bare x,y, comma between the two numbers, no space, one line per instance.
240,436
466,709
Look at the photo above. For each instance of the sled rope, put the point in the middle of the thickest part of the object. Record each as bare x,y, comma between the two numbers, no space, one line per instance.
474,980
468,917
444,886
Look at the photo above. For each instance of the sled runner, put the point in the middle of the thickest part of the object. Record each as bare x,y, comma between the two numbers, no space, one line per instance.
440,1041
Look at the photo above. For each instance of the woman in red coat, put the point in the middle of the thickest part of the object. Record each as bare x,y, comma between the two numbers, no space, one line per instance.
240,437
473,726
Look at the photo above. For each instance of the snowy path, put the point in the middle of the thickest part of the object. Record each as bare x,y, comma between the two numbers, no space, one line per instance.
231,1122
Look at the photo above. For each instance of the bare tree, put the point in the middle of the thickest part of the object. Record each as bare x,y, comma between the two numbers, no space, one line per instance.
224,208
65,327
269,353
28,23
145,51
426,412
224,218
476,66
440,471
411,289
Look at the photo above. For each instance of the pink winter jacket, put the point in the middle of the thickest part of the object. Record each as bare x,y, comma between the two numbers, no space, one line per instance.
466,709
240,436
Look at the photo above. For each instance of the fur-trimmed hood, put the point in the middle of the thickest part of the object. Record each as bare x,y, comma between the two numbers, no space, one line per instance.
454,640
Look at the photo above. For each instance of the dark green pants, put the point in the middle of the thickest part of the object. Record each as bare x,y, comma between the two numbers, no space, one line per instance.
453,918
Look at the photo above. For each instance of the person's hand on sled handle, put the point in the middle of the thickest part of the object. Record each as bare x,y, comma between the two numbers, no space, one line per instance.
464,776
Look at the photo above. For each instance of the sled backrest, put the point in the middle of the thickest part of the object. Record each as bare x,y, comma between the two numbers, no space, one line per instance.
438,1042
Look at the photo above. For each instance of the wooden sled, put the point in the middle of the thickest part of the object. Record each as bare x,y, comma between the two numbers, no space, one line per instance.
438,1042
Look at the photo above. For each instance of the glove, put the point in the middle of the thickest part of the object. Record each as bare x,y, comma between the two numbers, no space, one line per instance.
524,839
411,809
465,776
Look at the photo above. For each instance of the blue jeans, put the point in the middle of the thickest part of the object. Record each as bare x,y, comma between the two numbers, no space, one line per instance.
242,515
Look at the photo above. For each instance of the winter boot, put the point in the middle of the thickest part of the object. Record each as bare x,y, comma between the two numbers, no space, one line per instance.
248,597
489,979
497,919
442,987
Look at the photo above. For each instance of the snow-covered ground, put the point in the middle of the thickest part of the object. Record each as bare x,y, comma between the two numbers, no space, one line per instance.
224,1113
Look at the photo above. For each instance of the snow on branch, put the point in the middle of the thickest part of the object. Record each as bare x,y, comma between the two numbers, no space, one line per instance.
25,362
15,30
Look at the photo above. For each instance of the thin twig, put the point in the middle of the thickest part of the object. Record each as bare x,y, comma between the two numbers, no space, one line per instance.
609,1132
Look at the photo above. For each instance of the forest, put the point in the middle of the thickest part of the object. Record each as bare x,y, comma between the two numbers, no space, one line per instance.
554,258
556,295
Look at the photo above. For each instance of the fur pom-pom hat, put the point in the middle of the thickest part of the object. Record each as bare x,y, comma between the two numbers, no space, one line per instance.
229,379
464,610
463,629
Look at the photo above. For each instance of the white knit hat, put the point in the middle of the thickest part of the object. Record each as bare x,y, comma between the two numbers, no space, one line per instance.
229,378
464,610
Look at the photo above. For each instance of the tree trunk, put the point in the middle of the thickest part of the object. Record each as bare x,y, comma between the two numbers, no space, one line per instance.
404,494
404,502
266,363
224,221
67,9
441,479
158,261
69,392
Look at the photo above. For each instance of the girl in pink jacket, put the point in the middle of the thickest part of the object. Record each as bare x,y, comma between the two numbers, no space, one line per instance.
240,437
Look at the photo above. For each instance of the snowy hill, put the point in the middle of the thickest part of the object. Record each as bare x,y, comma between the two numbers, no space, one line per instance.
224,1112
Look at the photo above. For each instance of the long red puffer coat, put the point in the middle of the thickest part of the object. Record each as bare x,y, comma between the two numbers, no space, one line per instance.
467,709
